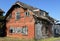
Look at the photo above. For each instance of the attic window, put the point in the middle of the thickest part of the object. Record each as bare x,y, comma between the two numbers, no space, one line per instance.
42,13
27,13
17,15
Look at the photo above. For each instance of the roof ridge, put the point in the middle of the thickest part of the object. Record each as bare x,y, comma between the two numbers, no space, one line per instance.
23,4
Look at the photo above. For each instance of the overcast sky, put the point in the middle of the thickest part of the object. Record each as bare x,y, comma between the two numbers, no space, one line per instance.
51,6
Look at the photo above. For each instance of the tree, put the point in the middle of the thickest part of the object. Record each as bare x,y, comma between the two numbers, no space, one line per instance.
2,22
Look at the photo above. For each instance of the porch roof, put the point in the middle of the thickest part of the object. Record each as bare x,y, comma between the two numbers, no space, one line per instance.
44,18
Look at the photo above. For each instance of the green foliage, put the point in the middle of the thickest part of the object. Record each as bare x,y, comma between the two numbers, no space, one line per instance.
1,24
2,18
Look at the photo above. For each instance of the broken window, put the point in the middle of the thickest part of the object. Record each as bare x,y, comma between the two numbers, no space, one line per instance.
25,30
11,30
18,30
41,13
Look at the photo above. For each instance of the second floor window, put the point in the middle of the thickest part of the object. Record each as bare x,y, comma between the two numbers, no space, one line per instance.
27,13
17,15
41,13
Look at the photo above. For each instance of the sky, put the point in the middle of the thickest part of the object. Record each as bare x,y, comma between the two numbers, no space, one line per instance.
51,6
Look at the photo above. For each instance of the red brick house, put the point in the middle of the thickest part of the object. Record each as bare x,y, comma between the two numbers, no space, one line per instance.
25,21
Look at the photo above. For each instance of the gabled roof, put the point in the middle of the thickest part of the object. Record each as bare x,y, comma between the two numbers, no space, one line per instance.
25,5
18,3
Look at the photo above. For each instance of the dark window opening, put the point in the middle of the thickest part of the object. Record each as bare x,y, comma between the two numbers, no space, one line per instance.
41,13
11,30
17,15
27,13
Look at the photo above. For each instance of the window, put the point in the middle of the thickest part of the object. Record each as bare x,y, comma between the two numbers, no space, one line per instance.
25,30
17,15
41,13
12,30
18,30
27,13
15,30
44,13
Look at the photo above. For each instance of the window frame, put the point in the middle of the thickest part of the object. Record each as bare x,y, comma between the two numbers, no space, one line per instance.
27,13
25,32
13,30
17,15
18,28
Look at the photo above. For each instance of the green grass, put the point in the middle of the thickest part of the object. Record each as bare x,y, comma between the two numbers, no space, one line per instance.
18,39
50,39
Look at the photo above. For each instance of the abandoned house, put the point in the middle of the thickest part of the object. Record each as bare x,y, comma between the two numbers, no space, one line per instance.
25,21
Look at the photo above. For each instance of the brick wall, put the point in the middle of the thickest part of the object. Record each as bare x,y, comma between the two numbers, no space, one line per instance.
28,21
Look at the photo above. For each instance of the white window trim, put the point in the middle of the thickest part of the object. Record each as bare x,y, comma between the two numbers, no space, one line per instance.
18,28
26,31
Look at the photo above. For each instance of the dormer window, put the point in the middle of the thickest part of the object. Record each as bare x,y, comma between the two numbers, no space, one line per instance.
27,14
17,15
44,13
41,13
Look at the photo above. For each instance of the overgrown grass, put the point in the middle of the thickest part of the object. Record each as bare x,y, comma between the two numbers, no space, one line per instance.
18,39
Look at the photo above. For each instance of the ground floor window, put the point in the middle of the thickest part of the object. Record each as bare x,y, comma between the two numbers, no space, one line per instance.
11,30
18,30
23,30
